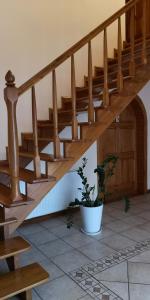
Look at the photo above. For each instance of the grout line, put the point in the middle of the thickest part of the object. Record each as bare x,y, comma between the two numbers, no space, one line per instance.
128,280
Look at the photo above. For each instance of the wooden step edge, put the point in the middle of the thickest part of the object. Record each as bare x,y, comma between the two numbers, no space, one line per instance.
13,246
137,40
7,201
22,280
79,99
25,201
45,157
8,221
42,179
109,74
25,174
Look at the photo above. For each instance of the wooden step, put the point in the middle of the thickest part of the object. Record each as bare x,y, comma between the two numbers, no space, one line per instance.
13,246
29,137
111,76
137,40
43,156
25,175
8,221
22,280
6,200
125,62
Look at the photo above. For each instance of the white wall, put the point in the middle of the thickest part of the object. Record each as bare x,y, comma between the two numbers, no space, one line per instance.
65,190
33,33
145,96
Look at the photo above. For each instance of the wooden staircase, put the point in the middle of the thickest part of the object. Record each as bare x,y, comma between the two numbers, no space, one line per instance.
103,97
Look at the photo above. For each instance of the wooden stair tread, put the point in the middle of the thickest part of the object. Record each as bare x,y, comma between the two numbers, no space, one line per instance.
21,280
13,246
43,156
8,221
6,200
25,175
29,137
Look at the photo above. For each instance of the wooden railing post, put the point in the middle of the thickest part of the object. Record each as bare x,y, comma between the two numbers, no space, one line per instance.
90,85
11,98
106,90
37,166
55,116
120,76
132,42
144,56
73,96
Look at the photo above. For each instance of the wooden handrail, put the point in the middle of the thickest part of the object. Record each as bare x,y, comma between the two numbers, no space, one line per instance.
59,60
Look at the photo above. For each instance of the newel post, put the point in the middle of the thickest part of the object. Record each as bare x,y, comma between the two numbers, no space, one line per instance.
11,98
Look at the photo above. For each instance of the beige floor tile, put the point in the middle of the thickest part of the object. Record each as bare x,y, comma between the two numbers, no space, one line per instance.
136,234
77,240
118,226
120,289
118,242
54,248
62,288
143,257
70,260
96,250
139,292
139,273
116,273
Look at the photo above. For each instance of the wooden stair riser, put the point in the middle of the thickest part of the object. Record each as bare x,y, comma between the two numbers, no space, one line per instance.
127,50
113,64
113,67
111,76
83,92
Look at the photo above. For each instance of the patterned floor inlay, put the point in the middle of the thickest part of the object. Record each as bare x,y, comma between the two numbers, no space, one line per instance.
84,276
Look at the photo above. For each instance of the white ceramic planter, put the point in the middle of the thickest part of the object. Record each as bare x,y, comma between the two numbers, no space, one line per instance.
91,219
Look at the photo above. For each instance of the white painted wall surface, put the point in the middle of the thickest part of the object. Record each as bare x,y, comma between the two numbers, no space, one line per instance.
65,190
145,96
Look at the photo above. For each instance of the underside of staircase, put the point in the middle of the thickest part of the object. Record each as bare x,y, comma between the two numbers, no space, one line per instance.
103,97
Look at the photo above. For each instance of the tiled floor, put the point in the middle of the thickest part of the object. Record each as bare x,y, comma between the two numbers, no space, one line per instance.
114,265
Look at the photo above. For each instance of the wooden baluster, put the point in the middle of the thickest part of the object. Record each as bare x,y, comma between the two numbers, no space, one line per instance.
37,166
105,90
11,99
90,85
132,42
55,117
144,55
120,75
73,96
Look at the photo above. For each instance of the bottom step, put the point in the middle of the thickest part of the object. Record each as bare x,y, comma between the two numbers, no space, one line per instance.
22,280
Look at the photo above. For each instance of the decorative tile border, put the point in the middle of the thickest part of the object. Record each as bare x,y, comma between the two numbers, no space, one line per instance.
84,276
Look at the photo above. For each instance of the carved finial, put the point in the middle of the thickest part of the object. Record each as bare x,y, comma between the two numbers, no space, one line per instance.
10,79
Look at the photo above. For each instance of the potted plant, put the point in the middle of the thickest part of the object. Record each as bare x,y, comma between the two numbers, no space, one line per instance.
92,207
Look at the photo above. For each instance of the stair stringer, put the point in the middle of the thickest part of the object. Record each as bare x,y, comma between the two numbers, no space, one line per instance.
90,134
